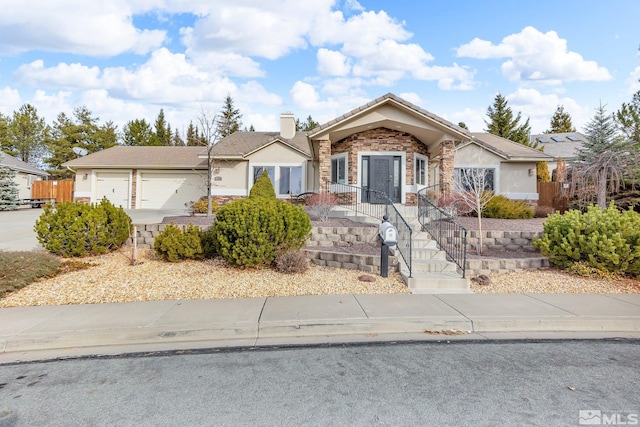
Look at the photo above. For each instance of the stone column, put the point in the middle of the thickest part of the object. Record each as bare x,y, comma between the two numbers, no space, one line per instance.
446,166
324,160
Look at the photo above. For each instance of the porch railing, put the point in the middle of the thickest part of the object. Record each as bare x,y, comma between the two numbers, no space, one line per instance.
450,236
375,204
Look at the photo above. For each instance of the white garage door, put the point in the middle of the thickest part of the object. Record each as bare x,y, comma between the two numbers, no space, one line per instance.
170,190
114,186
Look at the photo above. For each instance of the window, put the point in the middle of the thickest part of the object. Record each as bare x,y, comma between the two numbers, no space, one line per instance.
542,139
573,138
271,171
339,170
290,180
557,138
421,170
467,178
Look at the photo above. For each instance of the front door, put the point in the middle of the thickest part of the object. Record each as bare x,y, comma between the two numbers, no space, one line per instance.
382,175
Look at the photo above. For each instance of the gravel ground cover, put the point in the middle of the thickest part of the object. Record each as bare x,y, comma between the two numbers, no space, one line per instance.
113,279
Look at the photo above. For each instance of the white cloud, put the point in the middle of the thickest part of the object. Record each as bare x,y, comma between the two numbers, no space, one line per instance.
633,81
10,100
540,108
91,28
536,57
412,97
454,77
474,119
332,63
63,75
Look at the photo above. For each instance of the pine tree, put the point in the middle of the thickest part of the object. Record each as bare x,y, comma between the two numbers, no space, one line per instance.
504,124
162,131
228,120
192,136
561,122
602,135
8,189
27,135
628,117
137,132
308,125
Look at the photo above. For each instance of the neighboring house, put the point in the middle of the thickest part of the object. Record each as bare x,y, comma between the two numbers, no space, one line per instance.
25,174
388,144
563,145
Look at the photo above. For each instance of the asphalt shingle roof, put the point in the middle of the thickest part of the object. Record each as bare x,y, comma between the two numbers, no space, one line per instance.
399,101
242,143
142,157
565,148
508,149
18,165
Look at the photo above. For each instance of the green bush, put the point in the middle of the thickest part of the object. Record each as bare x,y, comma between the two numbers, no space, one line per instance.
75,229
504,208
207,240
252,232
263,187
173,244
606,240
202,204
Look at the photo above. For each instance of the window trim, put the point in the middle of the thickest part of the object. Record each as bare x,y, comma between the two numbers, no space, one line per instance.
494,168
276,184
339,157
416,158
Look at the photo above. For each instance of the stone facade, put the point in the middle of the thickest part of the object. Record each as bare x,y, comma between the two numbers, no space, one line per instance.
380,140
324,156
447,153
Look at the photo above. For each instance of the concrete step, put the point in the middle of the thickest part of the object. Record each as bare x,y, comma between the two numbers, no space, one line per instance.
433,266
433,283
418,254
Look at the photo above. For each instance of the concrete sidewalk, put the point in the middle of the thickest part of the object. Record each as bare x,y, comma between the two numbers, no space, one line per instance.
33,333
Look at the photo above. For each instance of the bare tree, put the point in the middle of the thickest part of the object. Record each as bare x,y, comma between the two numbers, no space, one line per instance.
473,192
209,136
605,172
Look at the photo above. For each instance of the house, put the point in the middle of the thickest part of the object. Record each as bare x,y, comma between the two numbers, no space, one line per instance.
557,145
25,174
388,145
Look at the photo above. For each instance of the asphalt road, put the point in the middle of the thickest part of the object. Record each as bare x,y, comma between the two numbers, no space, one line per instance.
426,384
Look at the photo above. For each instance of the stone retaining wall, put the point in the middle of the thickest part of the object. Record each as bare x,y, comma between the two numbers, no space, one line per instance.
342,236
368,263
504,240
487,266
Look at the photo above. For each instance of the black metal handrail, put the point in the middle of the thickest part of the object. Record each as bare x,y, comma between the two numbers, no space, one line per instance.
450,236
375,204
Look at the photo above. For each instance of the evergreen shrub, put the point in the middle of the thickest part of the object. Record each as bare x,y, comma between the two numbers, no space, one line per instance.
263,187
604,239
174,245
202,204
252,232
74,229
505,208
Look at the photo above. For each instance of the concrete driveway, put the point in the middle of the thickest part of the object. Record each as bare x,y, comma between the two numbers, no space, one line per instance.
16,227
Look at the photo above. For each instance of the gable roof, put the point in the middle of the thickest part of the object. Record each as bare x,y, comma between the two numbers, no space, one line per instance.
20,166
141,157
390,97
565,147
507,149
241,144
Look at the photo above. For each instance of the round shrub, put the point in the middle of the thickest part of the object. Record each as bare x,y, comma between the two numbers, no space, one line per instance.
252,232
505,208
202,205
173,244
74,229
606,240
263,187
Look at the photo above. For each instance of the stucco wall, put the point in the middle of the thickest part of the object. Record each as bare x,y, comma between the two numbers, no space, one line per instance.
229,175
516,183
471,155
277,153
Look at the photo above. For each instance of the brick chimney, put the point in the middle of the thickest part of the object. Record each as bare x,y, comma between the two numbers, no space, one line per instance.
287,125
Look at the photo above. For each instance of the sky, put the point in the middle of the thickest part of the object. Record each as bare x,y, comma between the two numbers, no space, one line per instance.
127,59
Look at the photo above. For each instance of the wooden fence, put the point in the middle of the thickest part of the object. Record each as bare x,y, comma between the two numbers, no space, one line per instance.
61,190
552,194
